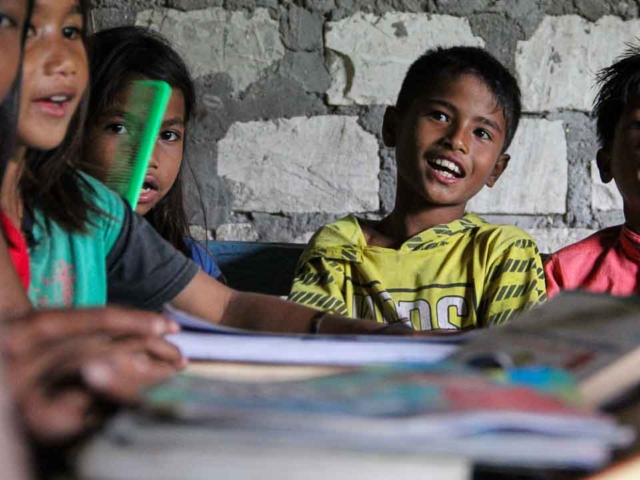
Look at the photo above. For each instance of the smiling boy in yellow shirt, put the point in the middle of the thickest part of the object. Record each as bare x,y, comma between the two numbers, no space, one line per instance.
428,264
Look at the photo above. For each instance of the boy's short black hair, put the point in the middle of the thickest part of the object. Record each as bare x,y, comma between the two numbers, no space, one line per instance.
440,63
618,85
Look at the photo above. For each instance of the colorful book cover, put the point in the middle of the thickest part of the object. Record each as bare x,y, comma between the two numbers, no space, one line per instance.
434,398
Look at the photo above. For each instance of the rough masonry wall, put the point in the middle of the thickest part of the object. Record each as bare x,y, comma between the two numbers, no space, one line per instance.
291,96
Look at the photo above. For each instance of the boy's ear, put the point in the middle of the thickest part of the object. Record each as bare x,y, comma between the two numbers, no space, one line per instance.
603,159
498,169
389,126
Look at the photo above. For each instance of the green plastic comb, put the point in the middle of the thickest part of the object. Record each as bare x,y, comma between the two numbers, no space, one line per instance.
143,114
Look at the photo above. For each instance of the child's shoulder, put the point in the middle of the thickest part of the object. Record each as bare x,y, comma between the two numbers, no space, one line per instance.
592,245
203,258
107,209
345,231
342,239
105,199
497,234
495,242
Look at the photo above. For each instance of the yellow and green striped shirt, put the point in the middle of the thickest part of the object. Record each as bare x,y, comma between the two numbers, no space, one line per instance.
465,274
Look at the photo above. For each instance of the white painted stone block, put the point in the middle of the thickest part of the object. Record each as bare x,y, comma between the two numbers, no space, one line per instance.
318,164
535,181
551,240
557,66
199,233
604,196
303,238
369,55
217,41
243,232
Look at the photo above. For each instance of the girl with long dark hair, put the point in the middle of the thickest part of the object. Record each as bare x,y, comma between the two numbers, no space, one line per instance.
51,356
117,57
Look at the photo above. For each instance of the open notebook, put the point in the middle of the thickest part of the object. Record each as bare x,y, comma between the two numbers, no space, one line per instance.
200,340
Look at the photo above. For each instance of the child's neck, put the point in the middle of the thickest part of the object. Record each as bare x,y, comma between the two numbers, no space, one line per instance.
400,225
10,197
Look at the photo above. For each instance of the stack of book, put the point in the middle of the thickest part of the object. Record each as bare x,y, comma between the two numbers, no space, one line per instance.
398,413
403,414
594,337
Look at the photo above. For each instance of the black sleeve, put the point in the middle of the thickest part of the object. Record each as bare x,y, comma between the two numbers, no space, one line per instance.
143,269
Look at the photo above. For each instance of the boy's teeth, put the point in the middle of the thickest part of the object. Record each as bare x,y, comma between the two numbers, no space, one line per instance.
59,99
448,164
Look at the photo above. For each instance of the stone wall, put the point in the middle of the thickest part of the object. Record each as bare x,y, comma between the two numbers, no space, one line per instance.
292,92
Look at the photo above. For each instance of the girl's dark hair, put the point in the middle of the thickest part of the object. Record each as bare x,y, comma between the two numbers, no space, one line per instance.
117,57
442,64
51,181
10,107
619,84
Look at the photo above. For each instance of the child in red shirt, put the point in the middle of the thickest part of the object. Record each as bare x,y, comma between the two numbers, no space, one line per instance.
609,260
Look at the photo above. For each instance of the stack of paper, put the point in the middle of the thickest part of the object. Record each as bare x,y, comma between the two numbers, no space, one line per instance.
134,448
200,340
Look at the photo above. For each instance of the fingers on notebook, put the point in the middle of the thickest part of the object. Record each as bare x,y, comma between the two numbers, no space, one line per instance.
68,369
40,329
123,376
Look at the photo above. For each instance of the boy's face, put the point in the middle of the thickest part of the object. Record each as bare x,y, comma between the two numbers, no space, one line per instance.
448,143
621,160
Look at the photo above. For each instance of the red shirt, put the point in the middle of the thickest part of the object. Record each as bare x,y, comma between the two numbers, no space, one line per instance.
606,262
17,249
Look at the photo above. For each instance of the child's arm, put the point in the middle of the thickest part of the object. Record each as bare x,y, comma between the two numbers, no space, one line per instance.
319,284
145,271
514,283
217,303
